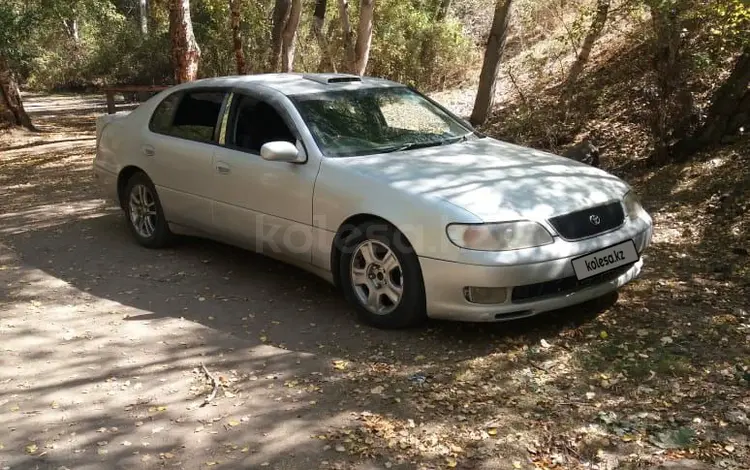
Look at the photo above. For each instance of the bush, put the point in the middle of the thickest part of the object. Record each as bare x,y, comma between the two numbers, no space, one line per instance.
410,47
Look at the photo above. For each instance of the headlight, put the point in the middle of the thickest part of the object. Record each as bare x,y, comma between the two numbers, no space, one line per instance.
499,237
633,207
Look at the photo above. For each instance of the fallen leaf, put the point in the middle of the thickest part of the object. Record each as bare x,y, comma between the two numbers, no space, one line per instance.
31,449
340,365
451,462
545,344
233,423
492,431
603,335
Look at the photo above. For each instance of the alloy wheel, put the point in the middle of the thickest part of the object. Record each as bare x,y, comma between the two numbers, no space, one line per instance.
377,277
143,215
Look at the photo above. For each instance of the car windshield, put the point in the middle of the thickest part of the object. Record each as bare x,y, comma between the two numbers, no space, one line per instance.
376,120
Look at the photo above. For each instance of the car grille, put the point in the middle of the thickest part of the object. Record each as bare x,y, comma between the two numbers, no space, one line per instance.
582,224
566,285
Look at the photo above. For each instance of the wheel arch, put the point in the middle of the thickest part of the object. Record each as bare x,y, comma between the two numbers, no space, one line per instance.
346,228
122,180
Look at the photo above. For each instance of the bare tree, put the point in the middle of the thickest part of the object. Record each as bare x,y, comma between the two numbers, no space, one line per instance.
594,33
488,77
357,53
235,14
185,51
319,20
10,98
143,16
364,36
288,35
281,11
346,29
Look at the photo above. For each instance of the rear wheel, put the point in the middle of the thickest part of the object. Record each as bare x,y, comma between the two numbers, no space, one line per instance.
144,213
381,276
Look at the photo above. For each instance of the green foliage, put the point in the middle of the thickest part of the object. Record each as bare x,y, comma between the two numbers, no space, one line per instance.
408,44
410,47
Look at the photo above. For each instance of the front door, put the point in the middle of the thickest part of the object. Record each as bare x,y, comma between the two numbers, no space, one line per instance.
263,205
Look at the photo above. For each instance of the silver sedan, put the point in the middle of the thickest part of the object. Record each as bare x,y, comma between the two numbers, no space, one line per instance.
377,189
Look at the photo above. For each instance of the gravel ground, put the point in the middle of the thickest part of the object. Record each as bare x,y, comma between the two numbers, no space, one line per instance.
104,343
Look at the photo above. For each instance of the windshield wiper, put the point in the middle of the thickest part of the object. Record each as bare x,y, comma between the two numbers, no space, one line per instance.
419,145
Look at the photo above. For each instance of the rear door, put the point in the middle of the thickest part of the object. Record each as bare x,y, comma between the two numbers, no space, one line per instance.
179,146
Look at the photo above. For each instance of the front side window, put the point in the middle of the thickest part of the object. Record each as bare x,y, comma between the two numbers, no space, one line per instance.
195,117
375,120
256,124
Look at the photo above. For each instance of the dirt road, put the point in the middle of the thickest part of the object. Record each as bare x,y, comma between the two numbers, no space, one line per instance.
103,344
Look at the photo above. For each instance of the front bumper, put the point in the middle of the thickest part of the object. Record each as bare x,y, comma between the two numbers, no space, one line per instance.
445,281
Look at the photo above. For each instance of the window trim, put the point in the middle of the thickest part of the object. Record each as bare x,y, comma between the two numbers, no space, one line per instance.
212,89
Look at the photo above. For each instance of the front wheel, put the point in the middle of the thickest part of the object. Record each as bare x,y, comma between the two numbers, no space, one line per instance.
144,213
380,274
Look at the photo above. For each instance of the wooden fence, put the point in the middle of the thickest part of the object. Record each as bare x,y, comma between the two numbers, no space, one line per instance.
110,93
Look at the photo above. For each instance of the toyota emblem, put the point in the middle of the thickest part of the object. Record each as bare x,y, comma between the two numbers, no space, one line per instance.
595,219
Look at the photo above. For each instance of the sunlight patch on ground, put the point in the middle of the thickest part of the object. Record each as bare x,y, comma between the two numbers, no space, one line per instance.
50,215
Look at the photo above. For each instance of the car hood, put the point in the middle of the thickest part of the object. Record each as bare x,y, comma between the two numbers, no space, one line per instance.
494,180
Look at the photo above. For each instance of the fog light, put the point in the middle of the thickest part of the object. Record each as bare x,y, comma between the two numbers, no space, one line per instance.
486,295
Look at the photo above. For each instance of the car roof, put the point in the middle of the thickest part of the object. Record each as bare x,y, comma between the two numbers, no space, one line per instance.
297,83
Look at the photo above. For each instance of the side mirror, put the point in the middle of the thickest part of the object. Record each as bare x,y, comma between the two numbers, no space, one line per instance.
280,151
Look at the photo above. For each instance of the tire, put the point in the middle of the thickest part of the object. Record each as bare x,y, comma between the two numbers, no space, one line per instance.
153,234
373,285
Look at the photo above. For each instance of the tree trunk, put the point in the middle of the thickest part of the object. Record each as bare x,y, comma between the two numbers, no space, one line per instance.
281,11
10,98
667,104
319,20
442,11
490,67
185,51
594,33
346,29
235,10
289,35
71,27
364,36
729,110
143,16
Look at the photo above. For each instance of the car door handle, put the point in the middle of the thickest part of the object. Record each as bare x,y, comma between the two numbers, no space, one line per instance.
148,151
223,168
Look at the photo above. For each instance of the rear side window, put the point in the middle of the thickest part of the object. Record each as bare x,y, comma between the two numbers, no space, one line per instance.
195,118
161,120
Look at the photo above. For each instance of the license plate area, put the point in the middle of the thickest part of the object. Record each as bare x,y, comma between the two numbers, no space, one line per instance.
605,260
